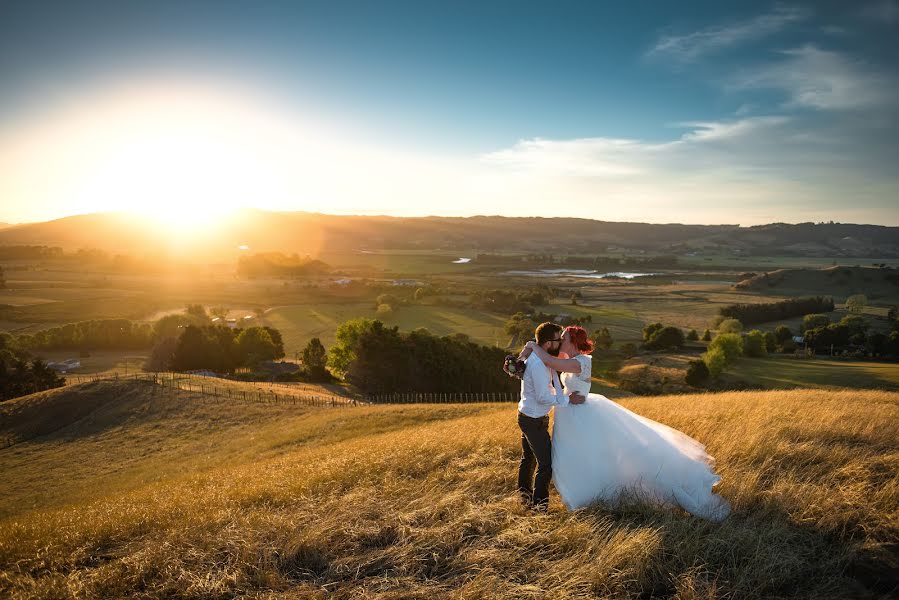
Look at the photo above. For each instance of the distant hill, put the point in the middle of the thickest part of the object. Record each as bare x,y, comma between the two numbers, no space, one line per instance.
312,233
874,282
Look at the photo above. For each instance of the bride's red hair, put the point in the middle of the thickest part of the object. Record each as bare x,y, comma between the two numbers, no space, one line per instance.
579,338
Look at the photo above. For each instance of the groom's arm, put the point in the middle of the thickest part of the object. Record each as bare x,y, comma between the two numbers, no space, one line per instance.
542,385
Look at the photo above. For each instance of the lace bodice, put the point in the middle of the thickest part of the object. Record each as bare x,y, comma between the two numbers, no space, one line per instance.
579,382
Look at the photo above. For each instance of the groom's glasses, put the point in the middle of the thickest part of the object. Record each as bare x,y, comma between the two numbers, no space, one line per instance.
557,341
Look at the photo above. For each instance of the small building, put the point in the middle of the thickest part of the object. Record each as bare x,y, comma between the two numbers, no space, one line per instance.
799,339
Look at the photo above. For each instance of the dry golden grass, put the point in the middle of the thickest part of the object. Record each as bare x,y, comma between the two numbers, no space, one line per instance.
416,502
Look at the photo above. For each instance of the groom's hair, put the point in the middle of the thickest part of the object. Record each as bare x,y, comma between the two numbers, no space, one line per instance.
546,331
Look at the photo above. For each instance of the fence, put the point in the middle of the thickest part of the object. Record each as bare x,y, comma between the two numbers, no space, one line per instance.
276,393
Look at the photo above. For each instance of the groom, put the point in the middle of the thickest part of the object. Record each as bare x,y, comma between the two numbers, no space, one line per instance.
541,390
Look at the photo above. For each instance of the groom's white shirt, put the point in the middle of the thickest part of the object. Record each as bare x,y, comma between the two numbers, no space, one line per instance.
540,389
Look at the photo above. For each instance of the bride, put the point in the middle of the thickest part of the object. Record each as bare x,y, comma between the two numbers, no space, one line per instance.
601,450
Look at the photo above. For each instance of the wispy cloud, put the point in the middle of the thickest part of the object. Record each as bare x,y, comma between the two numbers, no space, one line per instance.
610,157
689,47
822,79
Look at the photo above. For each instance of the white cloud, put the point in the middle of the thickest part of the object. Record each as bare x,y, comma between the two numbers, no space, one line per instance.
822,79
744,170
689,47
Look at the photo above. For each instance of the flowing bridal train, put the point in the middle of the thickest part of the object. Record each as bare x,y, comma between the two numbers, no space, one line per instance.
601,450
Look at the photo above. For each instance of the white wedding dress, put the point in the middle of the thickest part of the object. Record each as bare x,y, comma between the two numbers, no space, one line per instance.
601,450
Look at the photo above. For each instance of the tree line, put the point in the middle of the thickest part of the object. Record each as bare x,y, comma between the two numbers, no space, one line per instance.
749,314
277,264
380,359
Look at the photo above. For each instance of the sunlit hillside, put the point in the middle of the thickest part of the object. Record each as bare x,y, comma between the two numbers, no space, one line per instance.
142,494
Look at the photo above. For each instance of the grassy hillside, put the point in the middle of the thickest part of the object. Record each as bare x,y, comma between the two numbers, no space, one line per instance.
143,495
839,282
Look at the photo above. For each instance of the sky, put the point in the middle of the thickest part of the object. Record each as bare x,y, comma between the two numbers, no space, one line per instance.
700,112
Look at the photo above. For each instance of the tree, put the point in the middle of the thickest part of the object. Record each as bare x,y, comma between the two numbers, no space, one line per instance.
419,294
730,326
628,350
162,355
315,359
892,313
812,321
259,312
707,335
343,352
574,299
782,333
255,345
857,324
665,338
697,373
731,344
856,303
384,310
693,336
602,338
198,311
715,360
219,311
754,344
770,342
650,329
388,299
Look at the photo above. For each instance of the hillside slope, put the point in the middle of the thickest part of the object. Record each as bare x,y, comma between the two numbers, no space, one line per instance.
416,502
839,282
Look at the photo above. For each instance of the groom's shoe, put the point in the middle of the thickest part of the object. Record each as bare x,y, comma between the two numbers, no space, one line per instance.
540,507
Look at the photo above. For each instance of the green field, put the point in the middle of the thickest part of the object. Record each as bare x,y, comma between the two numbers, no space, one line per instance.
779,373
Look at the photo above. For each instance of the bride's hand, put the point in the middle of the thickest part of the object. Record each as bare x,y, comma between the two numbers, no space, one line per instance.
531,345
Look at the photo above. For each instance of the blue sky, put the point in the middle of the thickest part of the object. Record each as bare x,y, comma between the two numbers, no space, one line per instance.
712,112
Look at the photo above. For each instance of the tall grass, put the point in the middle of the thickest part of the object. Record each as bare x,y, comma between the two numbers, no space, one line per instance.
341,504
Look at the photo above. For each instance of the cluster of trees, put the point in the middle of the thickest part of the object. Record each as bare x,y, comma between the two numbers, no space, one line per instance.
850,335
107,334
20,374
507,301
380,359
775,311
216,348
277,264
30,252
657,336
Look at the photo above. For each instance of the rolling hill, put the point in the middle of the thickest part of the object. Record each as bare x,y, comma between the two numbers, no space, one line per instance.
132,493
874,282
313,233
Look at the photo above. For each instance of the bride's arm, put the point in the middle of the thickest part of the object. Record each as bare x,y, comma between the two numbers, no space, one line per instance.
562,365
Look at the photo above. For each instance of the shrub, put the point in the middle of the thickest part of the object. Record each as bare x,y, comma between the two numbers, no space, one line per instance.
650,329
697,373
770,342
731,344
602,338
314,360
715,360
628,350
782,333
665,338
730,326
693,335
813,321
707,335
384,310
754,344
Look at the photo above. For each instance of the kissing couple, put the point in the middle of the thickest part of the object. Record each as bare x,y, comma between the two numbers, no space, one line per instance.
599,450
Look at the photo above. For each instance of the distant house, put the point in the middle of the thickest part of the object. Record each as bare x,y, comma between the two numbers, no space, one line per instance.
229,323
343,281
406,282
799,339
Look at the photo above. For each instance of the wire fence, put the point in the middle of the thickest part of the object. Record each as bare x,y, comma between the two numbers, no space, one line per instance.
278,393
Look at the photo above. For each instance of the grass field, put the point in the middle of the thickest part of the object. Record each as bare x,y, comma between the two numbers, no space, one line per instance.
780,372
155,497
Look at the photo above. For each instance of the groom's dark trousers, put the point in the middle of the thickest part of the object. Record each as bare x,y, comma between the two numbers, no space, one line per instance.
536,451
